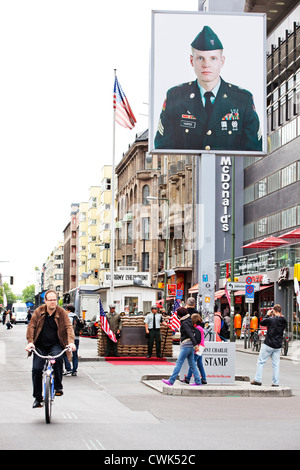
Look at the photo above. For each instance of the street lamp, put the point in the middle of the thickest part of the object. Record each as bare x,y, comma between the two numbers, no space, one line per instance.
153,198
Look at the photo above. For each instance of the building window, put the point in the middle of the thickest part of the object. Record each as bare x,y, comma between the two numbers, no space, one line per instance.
289,174
274,223
289,217
261,188
274,182
93,202
145,228
161,260
148,161
146,261
106,184
261,227
146,193
129,233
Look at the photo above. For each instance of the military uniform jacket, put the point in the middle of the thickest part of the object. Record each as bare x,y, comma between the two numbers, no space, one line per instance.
114,320
232,125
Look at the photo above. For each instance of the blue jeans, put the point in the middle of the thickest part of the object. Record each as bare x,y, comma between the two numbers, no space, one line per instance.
38,366
74,358
186,353
265,353
199,364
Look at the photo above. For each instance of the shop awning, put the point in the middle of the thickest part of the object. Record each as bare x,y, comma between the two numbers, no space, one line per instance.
160,303
219,294
269,242
194,289
292,234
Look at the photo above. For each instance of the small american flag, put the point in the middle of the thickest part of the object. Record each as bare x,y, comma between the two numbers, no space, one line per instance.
228,297
123,113
174,321
104,323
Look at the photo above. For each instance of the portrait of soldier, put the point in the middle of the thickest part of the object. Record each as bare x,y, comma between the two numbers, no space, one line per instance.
208,113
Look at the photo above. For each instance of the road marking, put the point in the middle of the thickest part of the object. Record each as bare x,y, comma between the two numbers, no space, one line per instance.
69,416
93,445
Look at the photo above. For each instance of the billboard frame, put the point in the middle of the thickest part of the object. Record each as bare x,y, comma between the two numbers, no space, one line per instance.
158,87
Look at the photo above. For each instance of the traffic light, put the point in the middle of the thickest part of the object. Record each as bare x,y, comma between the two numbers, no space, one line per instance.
96,273
11,280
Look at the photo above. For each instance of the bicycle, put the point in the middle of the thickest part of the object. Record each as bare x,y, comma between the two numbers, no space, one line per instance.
48,381
256,341
285,345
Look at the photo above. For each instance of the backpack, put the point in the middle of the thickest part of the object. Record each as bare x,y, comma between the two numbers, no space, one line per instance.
197,334
224,331
77,325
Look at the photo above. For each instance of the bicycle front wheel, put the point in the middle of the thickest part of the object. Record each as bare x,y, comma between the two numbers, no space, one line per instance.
284,347
48,400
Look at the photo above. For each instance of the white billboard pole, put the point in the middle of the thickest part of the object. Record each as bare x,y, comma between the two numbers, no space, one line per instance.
206,208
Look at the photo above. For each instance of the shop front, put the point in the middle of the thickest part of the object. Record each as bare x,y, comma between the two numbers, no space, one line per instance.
274,270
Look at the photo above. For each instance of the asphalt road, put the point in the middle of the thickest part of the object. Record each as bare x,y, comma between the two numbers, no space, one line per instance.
106,407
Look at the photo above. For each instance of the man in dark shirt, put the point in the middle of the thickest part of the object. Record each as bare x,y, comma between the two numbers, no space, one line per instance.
276,325
50,331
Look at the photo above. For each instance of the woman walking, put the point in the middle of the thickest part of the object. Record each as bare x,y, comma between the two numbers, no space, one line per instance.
188,346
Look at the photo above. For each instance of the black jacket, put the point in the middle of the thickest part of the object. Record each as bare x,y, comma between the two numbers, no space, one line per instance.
276,327
187,330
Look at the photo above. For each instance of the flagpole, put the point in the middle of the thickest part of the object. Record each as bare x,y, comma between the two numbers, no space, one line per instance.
112,208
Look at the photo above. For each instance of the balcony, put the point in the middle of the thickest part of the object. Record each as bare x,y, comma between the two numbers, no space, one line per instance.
173,172
181,168
162,181
143,175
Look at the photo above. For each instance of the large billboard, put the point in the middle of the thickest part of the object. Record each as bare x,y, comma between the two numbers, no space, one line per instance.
208,83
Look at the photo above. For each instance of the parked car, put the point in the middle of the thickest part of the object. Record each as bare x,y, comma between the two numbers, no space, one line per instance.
92,326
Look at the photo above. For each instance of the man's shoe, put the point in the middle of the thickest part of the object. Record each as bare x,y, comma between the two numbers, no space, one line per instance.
37,404
255,383
186,381
67,372
274,385
74,374
58,393
203,382
167,382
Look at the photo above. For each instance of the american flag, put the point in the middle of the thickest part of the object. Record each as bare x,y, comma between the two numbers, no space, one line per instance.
104,323
174,321
228,297
123,113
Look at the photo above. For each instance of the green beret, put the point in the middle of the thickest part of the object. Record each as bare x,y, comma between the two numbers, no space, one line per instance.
207,40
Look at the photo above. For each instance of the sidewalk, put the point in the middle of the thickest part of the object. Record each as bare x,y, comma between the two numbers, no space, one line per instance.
292,355
88,350
241,387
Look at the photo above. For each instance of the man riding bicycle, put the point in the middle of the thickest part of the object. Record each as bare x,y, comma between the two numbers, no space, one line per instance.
49,330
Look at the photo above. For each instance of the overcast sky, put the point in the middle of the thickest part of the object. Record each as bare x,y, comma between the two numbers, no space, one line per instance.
56,88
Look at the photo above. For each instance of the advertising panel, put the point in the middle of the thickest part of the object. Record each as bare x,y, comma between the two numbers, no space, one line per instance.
195,53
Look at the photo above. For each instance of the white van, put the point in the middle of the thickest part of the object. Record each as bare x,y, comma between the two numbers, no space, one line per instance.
19,311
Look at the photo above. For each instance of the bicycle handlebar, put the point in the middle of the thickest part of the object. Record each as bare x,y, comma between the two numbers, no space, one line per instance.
49,357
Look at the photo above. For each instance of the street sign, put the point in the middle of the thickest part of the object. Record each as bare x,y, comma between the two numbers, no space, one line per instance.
241,286
249,293
248,280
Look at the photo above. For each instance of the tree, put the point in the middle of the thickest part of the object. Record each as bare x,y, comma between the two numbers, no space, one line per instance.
10,296
28,294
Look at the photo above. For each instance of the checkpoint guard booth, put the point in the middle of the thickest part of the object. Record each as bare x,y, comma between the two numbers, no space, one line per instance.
134,303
